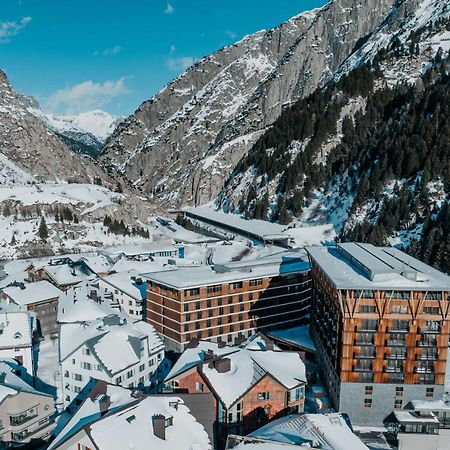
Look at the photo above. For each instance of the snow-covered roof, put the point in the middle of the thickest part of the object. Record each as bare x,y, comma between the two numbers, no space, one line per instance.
127,422
247,367
39,291
16,329
130,283
86,302
261,228
297,335
115,343
430,405
126,265
67,275
364,266
410,416
281,264
326,431
98,263
11,384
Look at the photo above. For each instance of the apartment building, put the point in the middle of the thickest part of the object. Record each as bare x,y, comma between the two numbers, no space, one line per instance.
110,349
228,301
380,320
41,298
251,383
25,413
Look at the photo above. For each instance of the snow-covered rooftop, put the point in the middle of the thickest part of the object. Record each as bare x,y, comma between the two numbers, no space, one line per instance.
130,283
283,263
326,431
68,275
260,228
16,329
39,291
297,335
128,423
248,365
364,266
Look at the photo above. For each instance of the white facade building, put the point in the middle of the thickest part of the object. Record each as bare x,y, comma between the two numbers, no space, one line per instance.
109,349
16,336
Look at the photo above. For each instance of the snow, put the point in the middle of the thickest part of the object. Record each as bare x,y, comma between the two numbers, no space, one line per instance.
16,329
297,335
33,293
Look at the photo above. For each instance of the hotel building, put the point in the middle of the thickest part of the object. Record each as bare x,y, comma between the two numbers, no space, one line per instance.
228,301
380,320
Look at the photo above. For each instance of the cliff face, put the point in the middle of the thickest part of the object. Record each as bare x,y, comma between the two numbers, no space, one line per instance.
181,145
26,142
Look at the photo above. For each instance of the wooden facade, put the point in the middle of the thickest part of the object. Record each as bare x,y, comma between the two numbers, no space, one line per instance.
381,336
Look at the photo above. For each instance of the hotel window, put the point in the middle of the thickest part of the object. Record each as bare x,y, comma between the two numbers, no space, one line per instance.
197,305
368,309
186,307
256,282
186,327
398,403
399,391
263,396
214,289
236,285
241,298
77,377
130,373
369,390
367,403
199,386
208,303
87,366
250,296
429,392
192,292
431,310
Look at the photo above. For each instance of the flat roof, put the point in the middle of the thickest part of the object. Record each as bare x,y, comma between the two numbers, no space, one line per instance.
36,292
182,278
364,266
261,228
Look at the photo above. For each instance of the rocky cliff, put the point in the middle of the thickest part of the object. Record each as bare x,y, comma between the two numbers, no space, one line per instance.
181,145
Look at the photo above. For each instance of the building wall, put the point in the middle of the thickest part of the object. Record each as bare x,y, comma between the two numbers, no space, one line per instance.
46,313
415,441
383,396
230,312
23,355
40,425
133,307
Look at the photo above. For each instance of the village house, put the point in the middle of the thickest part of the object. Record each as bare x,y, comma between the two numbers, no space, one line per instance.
113,349
41,298
17,329
114,418
25,413
251,383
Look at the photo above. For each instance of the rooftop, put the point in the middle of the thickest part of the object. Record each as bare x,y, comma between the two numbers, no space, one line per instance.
247,365
65,274
29,293
364,266
131,283
281,264
127,423
298,336
321,431
16,329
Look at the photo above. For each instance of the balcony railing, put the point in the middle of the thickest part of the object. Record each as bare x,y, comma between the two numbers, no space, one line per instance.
21,419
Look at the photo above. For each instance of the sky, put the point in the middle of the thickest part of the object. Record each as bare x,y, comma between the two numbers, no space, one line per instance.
80,55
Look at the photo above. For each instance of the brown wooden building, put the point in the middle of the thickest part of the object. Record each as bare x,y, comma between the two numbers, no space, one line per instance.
227,302
381,322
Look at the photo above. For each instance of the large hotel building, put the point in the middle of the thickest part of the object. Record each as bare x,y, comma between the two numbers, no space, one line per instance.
380,320
228,301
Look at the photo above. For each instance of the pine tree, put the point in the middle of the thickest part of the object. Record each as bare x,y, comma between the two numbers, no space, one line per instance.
43,230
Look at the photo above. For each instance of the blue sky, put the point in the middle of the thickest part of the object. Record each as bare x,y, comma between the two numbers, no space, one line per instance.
76,55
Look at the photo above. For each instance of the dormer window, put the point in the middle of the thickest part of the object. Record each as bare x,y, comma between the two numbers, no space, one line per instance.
18,335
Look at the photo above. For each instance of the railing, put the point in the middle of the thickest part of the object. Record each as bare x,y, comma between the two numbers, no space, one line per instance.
23,418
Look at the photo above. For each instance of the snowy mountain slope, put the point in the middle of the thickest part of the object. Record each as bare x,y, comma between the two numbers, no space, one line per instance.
180,146
336,156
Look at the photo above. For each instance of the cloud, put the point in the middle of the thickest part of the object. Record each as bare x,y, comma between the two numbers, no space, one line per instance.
9,29
180,63
231,34
112,51
85,96
173,49
169,9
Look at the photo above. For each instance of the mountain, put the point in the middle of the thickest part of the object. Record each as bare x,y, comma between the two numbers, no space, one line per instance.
84,133
180,146
369,152
29,146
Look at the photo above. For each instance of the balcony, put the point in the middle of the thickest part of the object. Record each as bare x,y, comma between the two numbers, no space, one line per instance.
22,418
395,343
427,343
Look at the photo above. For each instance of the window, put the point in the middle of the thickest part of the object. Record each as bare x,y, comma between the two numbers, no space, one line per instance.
367,309
86,351
399,391
431,310
214,289
87,366
236,285
367,403
369,390
141,367
130,373
77,389
429,392
250,296
77,377
263,396
118,380
192,292
256,282
199,386
398,403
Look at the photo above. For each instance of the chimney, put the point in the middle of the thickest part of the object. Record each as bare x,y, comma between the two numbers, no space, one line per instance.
221,344
223,365
159,426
